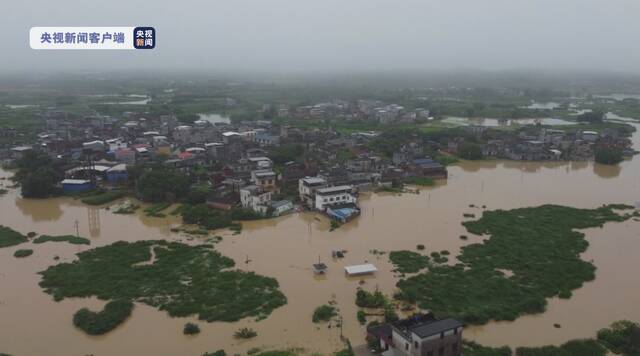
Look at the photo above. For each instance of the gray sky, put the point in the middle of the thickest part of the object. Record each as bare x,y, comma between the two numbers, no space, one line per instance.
337,35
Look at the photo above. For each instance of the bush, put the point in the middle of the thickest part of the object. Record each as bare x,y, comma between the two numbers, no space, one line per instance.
362,317
245,333
471,348
113,314
191,329
365,299
10,237
323,313
23,253
75,240
420,247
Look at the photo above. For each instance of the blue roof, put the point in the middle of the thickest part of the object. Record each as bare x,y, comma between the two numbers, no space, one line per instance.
343,212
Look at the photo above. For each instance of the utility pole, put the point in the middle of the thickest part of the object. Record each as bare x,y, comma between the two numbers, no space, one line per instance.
77,227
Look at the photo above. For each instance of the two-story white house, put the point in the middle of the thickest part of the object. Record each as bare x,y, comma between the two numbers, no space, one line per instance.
338,195
307,187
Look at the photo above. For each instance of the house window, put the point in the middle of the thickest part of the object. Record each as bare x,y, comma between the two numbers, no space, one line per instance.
455,331
406,346
415,344
442,335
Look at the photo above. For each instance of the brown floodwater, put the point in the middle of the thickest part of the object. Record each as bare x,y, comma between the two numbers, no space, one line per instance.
284,248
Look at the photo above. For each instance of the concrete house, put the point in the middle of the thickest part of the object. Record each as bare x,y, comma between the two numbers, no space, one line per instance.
255,198
419,335
307,187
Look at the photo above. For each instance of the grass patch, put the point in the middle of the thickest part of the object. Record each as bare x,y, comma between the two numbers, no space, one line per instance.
215,353
23,253
104,198
76,240
539,245
128,208
323,313
10,237
177,278
155,210
113,314
408,261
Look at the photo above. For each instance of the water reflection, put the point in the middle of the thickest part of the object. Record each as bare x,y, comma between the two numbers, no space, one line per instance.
39,210
607,171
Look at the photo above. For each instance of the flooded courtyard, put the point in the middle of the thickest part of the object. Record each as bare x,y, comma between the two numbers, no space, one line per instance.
285,248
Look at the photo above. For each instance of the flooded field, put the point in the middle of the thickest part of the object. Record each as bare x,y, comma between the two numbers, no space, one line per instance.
489,122
285,248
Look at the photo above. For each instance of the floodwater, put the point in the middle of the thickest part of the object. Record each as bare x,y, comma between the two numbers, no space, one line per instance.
489,122
284,248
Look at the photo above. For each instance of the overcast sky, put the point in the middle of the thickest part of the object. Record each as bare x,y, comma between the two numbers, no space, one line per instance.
337,35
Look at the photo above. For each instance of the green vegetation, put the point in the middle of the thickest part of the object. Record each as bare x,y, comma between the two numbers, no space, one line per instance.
76,240
408,261
245,333
423,181
180,279
113,314
471,151
323,313
608,155
334,225
23,253
104,198
538,245
471,348
10,237
215,353
191,329
366,299
362,317
155,209
347,351
623,337
571,348
161,184
594,116
37,175
420,247
3,191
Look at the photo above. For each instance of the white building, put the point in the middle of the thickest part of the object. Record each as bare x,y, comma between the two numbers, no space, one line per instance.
341,194
307,187
255,198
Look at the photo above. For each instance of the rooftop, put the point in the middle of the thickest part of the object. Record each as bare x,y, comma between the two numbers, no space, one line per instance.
336,189
425,325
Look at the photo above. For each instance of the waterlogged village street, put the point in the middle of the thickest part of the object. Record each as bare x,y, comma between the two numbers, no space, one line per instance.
285,248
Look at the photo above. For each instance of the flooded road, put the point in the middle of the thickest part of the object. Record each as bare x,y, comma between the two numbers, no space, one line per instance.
284,248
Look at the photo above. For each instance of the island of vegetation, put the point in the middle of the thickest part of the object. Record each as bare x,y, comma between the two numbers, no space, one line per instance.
23,253
75,240
113,314
408,261
180,279
532,254
10,237
323,313
622,338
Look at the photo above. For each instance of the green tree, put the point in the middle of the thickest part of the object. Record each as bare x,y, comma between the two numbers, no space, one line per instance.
160,184
608,155
471,151
37,175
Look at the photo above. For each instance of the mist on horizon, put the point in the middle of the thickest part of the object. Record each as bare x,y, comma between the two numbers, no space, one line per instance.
290,36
